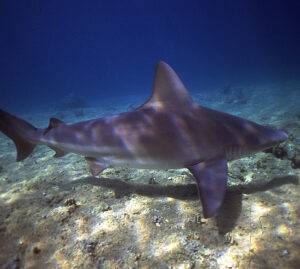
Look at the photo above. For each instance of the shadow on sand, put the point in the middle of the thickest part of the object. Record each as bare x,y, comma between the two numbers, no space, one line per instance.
229,212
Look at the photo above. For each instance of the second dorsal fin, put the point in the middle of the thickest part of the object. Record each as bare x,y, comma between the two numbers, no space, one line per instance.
53,123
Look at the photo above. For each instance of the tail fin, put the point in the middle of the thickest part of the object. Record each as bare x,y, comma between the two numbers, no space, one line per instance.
20,132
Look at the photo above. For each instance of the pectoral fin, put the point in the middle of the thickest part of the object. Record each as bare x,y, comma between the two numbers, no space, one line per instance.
96,167
211,178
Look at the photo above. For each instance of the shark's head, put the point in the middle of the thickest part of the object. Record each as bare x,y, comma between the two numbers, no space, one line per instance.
271,137
253,137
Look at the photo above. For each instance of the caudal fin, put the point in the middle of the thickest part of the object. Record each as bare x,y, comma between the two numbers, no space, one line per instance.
22,133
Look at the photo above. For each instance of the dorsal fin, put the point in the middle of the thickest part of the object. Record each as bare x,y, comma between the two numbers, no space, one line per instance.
168,89
53,123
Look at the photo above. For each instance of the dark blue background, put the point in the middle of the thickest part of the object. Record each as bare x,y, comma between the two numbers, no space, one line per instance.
96,49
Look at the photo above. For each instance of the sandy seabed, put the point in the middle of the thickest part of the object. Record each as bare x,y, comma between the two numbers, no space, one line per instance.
53,214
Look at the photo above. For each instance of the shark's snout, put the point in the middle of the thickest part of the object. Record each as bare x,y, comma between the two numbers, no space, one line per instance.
273,138
278,136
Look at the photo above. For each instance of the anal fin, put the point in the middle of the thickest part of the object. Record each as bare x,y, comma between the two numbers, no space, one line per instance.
211,177
96,167
58,152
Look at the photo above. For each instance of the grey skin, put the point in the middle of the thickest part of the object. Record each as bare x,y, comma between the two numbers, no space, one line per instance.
170,130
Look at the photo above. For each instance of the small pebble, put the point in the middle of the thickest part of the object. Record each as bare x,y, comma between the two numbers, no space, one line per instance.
90,247
104,207
284,253
137,256
279,152
36,250
2,229
152,181
296,162
243,170
70,202
158,221
241,178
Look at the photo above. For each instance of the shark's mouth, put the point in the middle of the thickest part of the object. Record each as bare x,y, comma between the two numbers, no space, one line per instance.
233,153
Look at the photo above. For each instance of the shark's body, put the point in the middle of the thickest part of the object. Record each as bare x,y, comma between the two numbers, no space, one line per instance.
169,131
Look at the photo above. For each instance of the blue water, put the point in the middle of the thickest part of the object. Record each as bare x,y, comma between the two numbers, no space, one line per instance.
53,50
77,60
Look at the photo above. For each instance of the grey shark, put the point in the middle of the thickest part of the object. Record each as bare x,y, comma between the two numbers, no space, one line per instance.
169,130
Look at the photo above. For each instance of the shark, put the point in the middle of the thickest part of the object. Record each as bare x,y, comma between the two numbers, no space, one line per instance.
169,131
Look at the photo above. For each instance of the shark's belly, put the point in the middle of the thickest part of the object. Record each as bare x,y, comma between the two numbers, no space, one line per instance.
143,163
155,157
